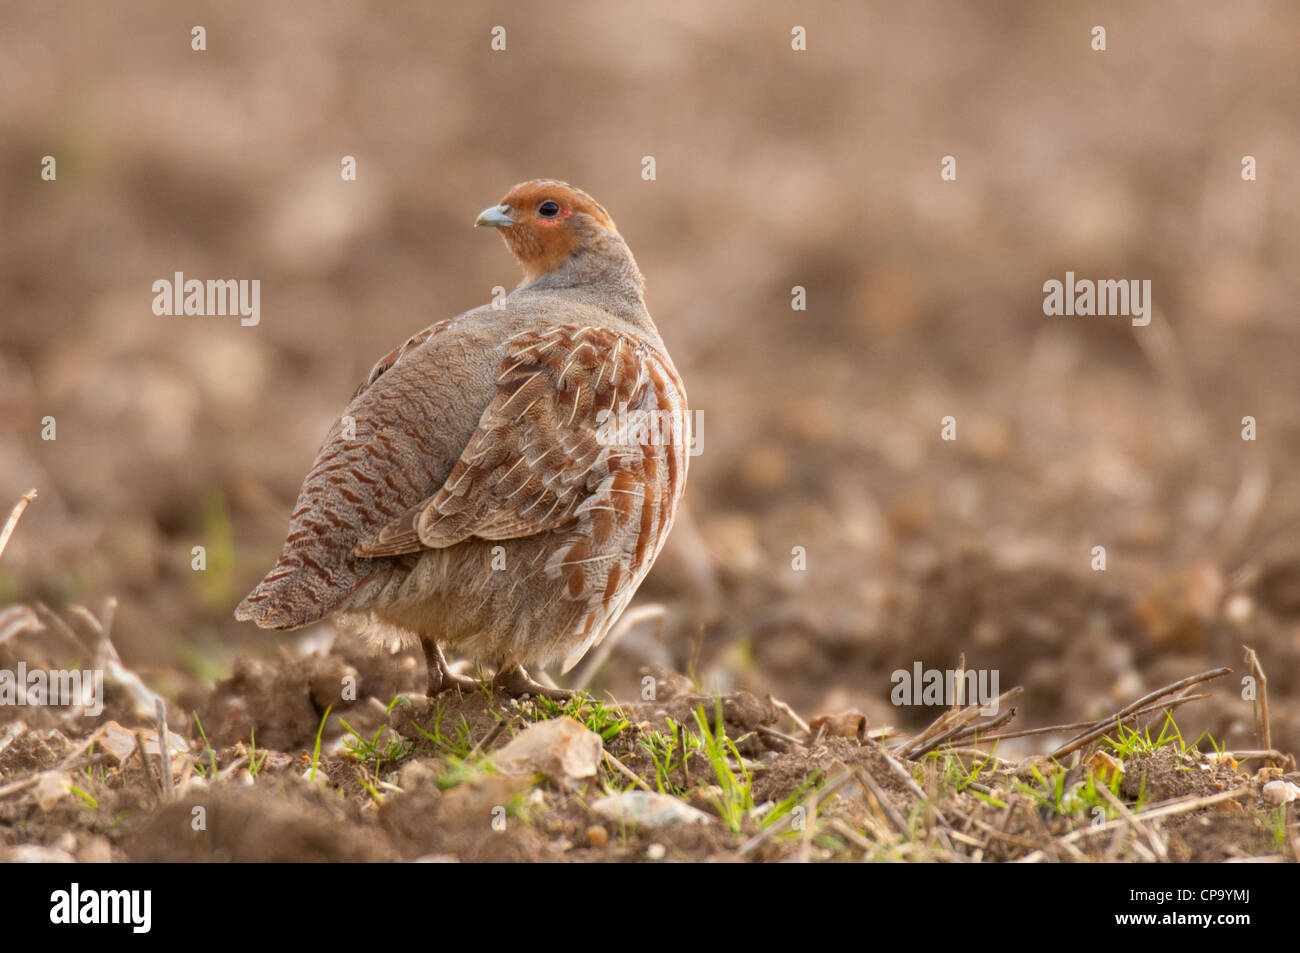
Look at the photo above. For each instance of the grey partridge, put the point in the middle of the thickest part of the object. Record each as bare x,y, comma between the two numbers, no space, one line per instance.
504,480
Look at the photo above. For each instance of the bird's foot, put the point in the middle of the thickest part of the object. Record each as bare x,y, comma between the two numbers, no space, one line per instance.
442,678
515,682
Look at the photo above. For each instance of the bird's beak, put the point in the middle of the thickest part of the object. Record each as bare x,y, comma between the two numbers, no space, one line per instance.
498,216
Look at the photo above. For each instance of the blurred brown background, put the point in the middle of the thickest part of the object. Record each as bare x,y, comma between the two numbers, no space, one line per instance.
775,168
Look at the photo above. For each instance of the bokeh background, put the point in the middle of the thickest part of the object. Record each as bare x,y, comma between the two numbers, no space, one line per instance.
774,168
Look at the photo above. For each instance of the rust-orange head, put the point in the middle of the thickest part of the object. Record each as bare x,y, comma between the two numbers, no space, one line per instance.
545,222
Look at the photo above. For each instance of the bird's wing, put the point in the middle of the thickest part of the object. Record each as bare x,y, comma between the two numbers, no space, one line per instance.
395,443
392,357
542,445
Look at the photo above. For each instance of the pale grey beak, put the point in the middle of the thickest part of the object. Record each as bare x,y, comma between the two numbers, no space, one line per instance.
498,216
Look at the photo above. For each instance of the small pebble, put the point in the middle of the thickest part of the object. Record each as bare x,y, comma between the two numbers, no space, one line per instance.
1281,792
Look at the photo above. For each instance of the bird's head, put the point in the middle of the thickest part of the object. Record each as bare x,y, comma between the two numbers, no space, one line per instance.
546,222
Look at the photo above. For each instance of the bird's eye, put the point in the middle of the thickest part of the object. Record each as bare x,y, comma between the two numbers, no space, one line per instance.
548,210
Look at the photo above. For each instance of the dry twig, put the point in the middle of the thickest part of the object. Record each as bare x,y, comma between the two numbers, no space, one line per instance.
14,516
628,773
1132,710
164,751
152,784
1263,731
1176,806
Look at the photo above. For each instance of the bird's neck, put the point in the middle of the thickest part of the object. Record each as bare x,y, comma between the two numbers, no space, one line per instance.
604,266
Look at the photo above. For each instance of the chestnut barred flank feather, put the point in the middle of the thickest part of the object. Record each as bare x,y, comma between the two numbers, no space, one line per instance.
469,493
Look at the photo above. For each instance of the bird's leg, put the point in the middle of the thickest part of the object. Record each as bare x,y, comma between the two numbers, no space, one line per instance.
515,682
441,677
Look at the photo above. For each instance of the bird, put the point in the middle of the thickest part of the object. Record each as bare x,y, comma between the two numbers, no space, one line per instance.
503,480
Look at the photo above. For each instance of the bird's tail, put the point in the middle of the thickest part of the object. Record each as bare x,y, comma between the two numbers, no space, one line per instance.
279,603
299,591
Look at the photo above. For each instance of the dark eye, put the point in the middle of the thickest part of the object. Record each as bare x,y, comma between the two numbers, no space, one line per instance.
548,210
